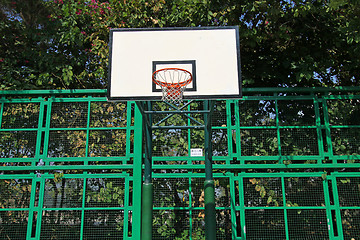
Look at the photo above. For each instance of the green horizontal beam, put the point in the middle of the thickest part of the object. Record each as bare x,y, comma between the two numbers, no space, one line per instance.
177,112
287,207
54,92
186,158
188,208
262,166
301,89
85,208
175,127
187,166
65,167
178,127
345,208
244,90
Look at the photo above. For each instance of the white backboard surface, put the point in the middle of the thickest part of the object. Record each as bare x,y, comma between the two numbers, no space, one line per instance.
211,54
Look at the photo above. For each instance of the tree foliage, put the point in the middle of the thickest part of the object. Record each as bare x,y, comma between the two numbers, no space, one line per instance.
64,44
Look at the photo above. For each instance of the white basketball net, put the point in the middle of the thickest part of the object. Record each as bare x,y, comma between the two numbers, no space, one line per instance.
173,82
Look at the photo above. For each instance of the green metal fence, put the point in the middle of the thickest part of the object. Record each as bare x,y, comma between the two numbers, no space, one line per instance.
286,166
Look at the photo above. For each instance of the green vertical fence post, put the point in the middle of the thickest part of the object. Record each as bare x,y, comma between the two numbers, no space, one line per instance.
209,188
137,173
147,190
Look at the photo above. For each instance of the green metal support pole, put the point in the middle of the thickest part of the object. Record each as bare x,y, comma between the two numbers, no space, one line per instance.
147,206
137,174
147,189
209,187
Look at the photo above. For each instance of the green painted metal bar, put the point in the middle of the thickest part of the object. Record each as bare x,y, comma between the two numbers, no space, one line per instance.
328,208
286,223
32,208
40,206
288,208
319,129
185,166
341,97
232,187
19,100
330,152
126,209
19,130
148,147
337,206
85,128
137,174
75,159
40,130
237,133
83,202
147,188
178,127
241,207
189,142
245,91
54,92
1,114
278,127
228,130
175,107
170,115
344,126
129,129
278,134
176,112
301,89
190,210
209,186
87,131
147,211
47,132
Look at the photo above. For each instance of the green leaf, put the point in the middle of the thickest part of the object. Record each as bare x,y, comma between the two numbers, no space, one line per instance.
324,176
262,192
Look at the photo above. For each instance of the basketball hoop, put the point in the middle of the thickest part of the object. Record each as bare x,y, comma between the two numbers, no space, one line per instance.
173,82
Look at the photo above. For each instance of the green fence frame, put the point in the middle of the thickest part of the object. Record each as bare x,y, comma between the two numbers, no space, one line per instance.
286,162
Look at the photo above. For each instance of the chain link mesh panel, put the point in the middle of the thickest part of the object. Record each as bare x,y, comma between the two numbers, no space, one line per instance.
108,114
64,224
296,113
349,191
67,144
263,192
103,224
18,144
20,115
346,141
259,142
351,223
13,225
69,115
304,191
344,111
265,224
307,224
63,193
299,141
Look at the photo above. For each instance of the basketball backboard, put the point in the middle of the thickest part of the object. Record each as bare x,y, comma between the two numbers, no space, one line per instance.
211,54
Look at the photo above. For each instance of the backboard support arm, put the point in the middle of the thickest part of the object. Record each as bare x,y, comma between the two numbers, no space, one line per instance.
209,186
